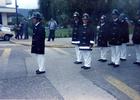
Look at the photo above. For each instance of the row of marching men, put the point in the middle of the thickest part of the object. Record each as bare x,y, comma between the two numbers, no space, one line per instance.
114,33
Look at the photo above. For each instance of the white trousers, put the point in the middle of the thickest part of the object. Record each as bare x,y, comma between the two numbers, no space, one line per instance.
137,49
115,54
40,61
78,54
87,57
123,51
103,53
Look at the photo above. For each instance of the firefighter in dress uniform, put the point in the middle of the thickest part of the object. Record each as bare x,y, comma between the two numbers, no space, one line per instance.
103,32
75,36
38,42
125,36
136,38
115,39
86,41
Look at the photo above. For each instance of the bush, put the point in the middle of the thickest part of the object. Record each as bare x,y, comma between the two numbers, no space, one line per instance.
61,33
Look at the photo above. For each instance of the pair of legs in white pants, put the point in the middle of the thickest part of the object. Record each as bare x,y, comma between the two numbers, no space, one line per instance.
115,54
78,54
137,50
123,51
103,51
87,57
40,61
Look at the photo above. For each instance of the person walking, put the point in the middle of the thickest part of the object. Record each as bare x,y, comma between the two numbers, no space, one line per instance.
52,27
86,41
136,38
75,36
125,36
115,39
103,31
38,42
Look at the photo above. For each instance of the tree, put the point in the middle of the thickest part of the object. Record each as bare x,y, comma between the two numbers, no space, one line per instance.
57,8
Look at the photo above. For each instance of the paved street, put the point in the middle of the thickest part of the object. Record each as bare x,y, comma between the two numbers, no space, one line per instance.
63,79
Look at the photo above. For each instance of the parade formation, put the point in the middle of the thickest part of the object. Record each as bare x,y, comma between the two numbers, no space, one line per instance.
112,33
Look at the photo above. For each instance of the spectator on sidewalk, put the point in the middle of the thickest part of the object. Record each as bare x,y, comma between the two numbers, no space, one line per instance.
25,29
21,30
52,27
38,42
17,31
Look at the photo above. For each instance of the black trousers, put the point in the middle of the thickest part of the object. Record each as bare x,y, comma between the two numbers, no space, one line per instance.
51,35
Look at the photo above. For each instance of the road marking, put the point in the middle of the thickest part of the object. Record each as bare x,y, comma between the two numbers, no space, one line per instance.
5,56
3,45
62,51
131,93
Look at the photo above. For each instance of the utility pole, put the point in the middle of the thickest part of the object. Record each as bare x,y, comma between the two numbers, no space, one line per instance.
16,6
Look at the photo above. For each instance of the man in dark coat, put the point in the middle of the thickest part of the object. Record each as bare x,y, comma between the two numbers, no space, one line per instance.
86,41
125,36
75,36
115,39
103,31
136,38
38,42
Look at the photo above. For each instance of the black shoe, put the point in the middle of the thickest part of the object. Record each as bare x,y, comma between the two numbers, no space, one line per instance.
83,67
86,68
115,66
111,64
102,60
122,59
77,62
39,72
137,63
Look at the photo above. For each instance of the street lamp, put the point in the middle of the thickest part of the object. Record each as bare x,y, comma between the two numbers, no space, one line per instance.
16,6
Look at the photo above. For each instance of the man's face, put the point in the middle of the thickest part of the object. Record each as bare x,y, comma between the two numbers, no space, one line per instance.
137,17
76,18
85,21
34,21
114,16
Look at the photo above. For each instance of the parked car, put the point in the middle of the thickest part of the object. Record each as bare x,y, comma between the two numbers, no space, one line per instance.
5,33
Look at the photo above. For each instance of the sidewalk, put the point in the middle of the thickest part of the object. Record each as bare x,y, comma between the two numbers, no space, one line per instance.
58,43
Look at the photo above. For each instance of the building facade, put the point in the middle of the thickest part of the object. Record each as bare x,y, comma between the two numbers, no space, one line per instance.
5,12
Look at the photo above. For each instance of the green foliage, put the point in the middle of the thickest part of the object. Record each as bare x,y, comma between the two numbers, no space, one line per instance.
61,33
62,10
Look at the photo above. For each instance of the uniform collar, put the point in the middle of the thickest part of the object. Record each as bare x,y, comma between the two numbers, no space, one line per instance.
102,24
115,19
37,23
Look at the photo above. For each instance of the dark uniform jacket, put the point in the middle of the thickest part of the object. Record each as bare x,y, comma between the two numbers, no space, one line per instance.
136,35
75,32
124,31
86,37
38,39
115,37
103,35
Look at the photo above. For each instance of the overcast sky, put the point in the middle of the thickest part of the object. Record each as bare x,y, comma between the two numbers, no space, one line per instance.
28,4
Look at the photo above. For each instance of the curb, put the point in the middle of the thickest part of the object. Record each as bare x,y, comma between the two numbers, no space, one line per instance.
50,46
